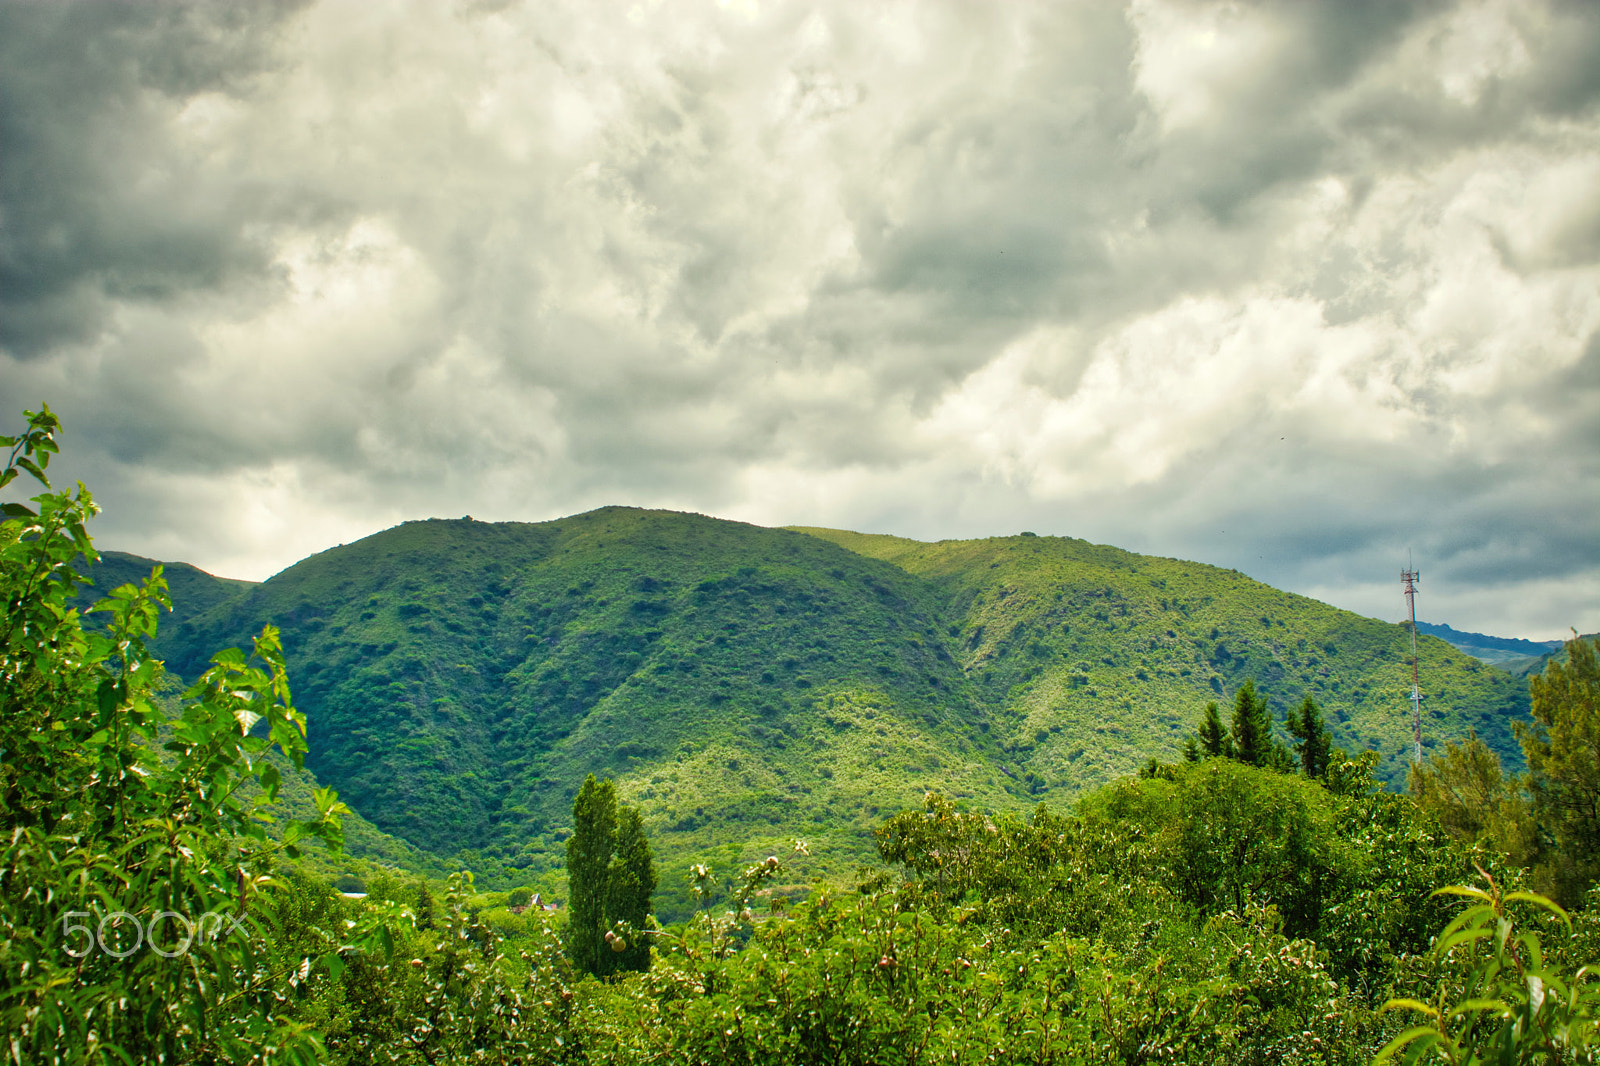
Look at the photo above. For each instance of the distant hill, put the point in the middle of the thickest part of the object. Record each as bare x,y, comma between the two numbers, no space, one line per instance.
1490,649
1088,635
193,591
748,685
1517,657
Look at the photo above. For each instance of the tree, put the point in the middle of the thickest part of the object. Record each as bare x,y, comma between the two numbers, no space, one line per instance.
1305,724
1463,787
589,851
1252,727
610,878
633,881
124,831
1563,753
1214,740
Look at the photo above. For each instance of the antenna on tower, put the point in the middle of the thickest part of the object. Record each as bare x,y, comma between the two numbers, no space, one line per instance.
1409,579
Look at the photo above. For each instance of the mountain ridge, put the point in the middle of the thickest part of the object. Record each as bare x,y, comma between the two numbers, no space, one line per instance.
746,685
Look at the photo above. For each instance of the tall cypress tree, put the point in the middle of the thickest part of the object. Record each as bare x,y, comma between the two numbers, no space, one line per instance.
633,881
1252,727
611,876
589,854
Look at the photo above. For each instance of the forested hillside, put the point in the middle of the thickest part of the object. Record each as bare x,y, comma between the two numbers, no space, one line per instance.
1101,656
748,685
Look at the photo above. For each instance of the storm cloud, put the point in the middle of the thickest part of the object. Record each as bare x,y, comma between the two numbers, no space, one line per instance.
1295,288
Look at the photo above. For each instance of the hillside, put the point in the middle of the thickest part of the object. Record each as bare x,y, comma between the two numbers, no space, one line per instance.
749,685
1100,657
194,592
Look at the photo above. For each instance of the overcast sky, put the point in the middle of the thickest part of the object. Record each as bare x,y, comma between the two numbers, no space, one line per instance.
1294,288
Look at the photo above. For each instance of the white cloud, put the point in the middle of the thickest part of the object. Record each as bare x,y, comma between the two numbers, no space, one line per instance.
1195,61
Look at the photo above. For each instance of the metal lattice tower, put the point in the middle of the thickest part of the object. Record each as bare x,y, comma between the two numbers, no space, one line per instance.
1409,579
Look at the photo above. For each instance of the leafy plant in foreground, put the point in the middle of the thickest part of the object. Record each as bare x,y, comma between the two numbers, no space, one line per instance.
1515,1008
130,877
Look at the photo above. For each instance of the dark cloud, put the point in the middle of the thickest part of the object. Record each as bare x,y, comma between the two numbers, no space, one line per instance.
93,215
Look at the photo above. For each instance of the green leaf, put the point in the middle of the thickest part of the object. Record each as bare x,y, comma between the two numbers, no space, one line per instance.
1541,901
1422,1037
28,464
1410,1004
1463,890
270,780
108,696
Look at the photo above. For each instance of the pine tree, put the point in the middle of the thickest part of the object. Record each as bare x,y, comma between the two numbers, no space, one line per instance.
589,853
1214,740
1252,727
426,907
1305,725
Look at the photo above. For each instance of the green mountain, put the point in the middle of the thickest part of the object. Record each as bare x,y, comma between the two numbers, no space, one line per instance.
749,685
193,591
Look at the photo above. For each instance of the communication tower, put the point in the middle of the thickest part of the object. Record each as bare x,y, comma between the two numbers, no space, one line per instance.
1409,578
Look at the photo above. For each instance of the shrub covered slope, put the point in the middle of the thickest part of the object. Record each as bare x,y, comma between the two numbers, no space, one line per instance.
746,685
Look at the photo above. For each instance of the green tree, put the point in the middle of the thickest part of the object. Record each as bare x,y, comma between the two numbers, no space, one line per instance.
1214,740
129,839
1462,785
633,881
1563,753
1252,727
610,878
1315,743
589,851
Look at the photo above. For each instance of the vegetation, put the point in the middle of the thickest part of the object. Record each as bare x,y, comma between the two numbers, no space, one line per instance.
1563,752
1214,909
119,857
1516,1009
1548,819
745,686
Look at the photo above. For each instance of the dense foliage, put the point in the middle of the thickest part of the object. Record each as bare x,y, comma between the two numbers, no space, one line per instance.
130,921
1549,818
1563,752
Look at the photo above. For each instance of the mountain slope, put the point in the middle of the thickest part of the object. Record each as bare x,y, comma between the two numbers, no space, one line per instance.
460,679
1100,657
747,685
194,593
